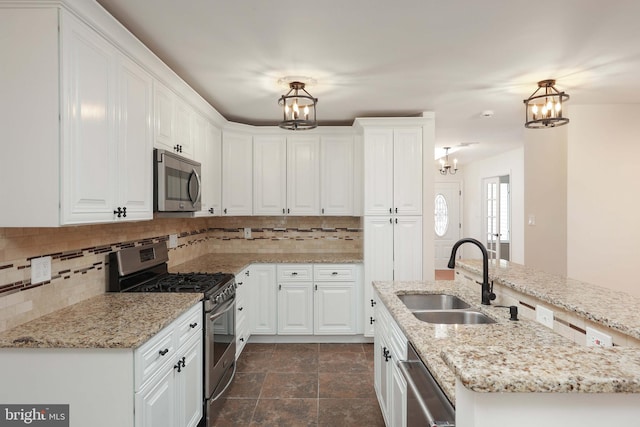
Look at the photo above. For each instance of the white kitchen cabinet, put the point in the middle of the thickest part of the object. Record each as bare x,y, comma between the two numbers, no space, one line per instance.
336,175
407,248
295,308
172,121
207,146
269,175
237,173
264,303
303,175
393,171
189,395
243,309
337,299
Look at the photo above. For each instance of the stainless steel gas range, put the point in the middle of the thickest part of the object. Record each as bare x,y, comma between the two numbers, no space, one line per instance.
144,269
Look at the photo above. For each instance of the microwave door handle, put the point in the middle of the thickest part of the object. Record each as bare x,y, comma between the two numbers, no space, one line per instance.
195,173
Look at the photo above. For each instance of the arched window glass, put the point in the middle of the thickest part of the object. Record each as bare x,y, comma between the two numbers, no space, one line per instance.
441,215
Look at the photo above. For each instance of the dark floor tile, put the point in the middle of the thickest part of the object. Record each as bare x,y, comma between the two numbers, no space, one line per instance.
344,362
254,362
233,412
349,412
294,362
246,385
290,385
341,348
345,385
259,348
286,412
297,348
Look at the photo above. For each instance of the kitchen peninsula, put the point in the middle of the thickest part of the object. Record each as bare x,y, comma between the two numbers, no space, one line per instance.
523,373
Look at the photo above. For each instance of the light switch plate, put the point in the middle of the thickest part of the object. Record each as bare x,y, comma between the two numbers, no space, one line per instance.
173,241
247,233
596,338
544,316
40,269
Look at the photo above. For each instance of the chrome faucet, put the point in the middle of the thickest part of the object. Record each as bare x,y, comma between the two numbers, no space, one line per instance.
487,289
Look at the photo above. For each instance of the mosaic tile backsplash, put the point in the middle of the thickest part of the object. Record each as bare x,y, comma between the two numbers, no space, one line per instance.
79,254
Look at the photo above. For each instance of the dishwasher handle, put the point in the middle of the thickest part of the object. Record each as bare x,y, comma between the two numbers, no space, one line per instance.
403,365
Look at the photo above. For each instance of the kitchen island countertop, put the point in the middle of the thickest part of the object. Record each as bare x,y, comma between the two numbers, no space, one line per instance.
110,320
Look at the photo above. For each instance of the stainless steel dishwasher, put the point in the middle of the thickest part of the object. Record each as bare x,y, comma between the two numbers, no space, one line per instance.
427,405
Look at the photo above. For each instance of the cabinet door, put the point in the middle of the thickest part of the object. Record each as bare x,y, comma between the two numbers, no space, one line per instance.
135,141
295,309
207,149
303,175
336,176
382,371
155,403
378,260
407,171
183,114
164,100
397,397
269,175
378,171
237,173
189,385
407,248
263,303
334,308
88,161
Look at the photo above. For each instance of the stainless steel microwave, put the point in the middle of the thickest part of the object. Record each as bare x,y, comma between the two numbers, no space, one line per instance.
176,183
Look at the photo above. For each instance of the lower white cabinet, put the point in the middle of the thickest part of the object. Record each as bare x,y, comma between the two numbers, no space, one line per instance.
243,309
295,308
264,304
390,347
168,382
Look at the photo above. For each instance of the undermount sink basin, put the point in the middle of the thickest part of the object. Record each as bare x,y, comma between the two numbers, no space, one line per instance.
454,317
432,302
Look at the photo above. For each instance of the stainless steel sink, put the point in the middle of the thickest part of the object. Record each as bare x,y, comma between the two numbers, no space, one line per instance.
432,302
454,317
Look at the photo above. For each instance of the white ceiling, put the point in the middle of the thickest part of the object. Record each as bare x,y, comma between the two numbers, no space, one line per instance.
457,58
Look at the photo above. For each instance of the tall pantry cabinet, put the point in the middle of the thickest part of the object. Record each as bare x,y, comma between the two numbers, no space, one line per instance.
393,157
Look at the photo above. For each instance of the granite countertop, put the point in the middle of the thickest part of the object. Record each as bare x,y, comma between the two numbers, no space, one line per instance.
507,356
614,309
236,262
111,320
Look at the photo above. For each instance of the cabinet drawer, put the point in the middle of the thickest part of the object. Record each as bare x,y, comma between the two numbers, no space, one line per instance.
189,325
334,273
295,272
150,357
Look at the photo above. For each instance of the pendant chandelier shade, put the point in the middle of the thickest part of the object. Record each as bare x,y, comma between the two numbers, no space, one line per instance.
543,109
445,166
298,108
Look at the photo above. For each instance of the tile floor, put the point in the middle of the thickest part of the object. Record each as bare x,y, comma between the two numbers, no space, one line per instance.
302,385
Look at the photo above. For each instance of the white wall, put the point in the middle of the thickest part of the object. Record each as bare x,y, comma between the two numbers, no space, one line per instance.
508,163
603,195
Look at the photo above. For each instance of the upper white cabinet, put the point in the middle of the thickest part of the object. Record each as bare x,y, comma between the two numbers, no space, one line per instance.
207,149
106,134
237,173
303,175
173,118
269,175
336,175
393,171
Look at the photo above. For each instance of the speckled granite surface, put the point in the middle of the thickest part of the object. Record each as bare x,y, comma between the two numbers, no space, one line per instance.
507,356
614,309
236,262
111,320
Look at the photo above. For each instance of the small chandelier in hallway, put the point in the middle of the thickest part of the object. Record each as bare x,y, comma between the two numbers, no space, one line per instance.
298,108
544,109
445,166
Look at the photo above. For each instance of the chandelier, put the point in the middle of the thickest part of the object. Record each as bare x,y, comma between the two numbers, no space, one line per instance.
445,166
298,108
543,109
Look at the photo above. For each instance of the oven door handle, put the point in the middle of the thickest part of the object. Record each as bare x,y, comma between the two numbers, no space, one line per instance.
403,365
228,305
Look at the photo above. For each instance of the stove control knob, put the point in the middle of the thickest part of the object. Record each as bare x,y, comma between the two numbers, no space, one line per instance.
217,299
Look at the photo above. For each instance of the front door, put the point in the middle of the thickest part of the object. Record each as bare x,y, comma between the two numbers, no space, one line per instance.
447,221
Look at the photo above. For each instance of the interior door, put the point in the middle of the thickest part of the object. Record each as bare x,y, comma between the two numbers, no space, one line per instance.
446,220
496,216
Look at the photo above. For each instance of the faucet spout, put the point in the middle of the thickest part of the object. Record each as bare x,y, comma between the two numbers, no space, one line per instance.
487,289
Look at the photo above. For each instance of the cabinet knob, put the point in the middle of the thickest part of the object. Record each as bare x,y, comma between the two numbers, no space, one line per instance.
124,212
323,211
371,320
246,273
193,325
242,339
334,273
295,273
225,211
120,212
283,211
373,303
240,308
211,210
390,210
239,283
163,352
396,210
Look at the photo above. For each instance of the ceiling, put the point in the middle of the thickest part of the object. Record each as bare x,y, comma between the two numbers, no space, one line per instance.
458,58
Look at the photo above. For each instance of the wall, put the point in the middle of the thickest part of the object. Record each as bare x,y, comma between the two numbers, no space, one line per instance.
603,189
508,163
79,254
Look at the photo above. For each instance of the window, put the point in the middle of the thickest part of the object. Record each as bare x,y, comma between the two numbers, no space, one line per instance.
441,215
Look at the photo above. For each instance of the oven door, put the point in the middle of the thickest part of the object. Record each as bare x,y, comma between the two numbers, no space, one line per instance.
220,348
177,183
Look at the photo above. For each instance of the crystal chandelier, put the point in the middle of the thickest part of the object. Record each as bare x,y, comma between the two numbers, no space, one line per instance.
298,108
543,109
445,166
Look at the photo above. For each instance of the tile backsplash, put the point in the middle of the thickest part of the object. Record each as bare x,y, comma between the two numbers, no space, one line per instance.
79,254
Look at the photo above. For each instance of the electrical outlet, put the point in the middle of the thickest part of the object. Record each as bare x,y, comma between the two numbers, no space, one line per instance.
544,316
173,241
247,233
598,339
40,269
